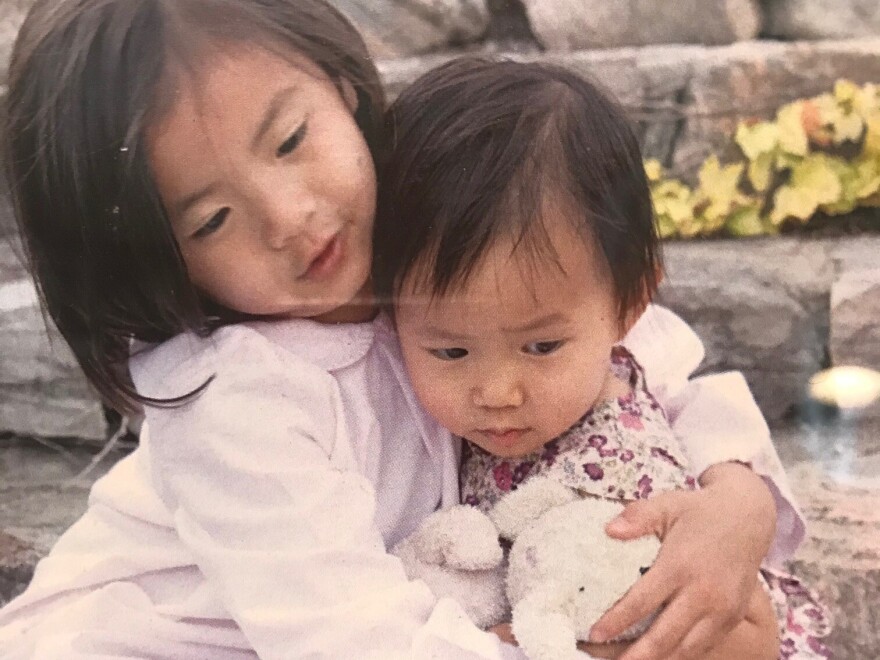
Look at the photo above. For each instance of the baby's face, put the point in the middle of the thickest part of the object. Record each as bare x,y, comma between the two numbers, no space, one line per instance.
517,356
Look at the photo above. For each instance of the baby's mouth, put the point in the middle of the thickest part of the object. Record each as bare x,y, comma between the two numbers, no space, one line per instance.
504,436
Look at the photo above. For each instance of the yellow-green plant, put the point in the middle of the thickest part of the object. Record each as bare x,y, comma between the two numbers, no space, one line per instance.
817,155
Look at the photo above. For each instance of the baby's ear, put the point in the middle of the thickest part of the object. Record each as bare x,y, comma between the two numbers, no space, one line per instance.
638,308
349,94
628,321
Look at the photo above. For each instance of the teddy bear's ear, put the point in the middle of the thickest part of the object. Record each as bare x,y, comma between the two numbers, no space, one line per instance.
519,508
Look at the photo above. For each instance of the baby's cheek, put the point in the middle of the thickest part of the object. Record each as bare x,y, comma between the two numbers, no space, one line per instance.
434,392
444,403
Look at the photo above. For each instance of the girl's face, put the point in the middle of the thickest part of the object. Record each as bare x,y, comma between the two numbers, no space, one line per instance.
519,354
269,185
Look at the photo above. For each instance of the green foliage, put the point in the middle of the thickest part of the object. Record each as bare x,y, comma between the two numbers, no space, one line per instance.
819,155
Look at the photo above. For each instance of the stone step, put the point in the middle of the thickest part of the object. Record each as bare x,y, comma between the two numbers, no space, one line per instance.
42,492
42,390
688,100
833,471
777,309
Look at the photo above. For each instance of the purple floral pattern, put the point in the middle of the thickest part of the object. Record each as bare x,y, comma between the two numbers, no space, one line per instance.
624,449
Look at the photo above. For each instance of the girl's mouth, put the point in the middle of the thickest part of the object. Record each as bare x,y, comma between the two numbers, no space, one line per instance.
326,261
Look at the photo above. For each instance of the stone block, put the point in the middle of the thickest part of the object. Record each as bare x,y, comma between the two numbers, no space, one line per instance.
7,220
855,324
648,82
687,100
841,555
581,24
752,80
855,318
17,562
11,16
822,19
42,390
396,28
760,307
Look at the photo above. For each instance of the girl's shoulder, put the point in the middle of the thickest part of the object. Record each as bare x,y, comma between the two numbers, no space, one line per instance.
302,349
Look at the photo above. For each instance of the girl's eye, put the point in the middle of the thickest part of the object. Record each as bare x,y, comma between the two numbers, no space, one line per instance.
543,347
292,142
213,224
448,353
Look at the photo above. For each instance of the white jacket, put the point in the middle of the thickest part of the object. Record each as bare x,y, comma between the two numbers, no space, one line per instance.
253,521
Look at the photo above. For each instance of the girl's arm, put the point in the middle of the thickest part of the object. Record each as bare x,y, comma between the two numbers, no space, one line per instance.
715,538
261,480
715,416
755,637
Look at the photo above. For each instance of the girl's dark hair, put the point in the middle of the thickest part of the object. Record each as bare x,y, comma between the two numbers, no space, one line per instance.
478,148
85,80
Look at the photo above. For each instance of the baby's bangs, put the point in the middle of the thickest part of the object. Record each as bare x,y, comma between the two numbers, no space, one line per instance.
539,190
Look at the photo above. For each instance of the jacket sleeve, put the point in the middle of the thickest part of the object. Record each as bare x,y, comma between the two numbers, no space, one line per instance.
259,477
714,416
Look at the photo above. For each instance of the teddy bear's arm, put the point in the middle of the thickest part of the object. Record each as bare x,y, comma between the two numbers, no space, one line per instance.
460,537
456,553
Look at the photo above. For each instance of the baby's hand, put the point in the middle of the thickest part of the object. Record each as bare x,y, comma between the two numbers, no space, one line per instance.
713,543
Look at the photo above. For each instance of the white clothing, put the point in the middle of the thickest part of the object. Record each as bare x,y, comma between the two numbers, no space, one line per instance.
253,520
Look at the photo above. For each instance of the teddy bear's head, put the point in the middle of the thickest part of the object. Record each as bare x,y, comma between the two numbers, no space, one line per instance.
564,562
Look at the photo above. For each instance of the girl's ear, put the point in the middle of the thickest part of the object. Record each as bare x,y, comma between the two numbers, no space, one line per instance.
349,94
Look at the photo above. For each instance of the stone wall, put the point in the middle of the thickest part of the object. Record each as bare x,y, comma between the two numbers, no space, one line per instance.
399,28
686,99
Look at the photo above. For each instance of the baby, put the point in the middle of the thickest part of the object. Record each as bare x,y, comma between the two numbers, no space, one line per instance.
516,240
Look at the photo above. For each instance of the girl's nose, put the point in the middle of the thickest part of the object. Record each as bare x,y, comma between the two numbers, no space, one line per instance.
286,218
499,392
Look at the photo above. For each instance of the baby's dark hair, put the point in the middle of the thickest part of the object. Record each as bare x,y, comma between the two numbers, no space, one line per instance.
479,148
87,77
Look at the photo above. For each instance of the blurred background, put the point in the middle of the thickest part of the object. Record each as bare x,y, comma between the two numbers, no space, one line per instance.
760,124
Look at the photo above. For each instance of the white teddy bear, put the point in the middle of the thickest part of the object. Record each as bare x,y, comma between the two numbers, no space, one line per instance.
562,573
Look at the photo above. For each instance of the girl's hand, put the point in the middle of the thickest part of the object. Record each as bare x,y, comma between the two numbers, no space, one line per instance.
505,634
713,543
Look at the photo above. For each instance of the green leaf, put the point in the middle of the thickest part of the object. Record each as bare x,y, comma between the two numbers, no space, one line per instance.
719,189
757,140
666,228
746,221
792,135
816,176
814,182
791,203
872,135
653,170
761,171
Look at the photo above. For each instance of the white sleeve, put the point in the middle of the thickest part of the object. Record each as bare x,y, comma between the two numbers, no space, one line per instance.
715,416
258,475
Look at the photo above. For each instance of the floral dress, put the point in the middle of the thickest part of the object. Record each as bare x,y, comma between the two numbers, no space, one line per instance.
624,449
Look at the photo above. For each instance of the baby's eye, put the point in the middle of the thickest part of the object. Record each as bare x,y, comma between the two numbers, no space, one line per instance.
213,224
543,347
448,353
292,142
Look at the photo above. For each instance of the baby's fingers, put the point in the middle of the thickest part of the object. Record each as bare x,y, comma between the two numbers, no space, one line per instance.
643,599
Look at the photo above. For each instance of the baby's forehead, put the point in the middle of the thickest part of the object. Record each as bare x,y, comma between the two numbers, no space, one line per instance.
508,291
